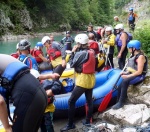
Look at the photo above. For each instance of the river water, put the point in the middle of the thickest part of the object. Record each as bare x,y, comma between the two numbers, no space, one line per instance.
8,47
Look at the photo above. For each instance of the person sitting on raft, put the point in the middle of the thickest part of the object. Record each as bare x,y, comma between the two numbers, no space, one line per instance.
25,57
43,62
136,71
56,54
38,54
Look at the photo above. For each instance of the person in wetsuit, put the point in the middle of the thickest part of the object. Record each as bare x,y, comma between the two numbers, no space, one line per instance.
29,99
68,41
131,19
110,41
121,41
25,57
83,61
136,71
56,54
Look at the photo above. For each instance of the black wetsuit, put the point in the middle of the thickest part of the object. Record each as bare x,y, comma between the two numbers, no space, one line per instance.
29,99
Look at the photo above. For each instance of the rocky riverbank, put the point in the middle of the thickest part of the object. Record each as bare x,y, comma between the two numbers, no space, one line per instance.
26,36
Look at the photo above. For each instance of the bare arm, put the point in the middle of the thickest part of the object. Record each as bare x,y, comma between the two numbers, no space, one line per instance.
43,58
49,92
4,115
123,38
49,76
140,64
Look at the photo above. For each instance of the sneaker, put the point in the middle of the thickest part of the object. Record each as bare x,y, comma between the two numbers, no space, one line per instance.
67,127
85,122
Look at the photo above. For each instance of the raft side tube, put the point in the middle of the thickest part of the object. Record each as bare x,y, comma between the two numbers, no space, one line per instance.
104,83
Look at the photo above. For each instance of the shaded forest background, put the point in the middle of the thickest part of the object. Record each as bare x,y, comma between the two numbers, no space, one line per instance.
19,17
23,16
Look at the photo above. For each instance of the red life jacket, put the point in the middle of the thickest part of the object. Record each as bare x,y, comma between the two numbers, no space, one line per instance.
33,53
94,45
89,66
53,53
15,55
99,31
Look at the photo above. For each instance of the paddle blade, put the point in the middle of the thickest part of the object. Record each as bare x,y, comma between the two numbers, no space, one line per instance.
105,102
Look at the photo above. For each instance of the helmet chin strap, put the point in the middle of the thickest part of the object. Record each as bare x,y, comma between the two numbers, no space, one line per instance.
80,48
133,52
29,50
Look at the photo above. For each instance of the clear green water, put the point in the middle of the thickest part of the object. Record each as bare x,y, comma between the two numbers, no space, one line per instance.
8,47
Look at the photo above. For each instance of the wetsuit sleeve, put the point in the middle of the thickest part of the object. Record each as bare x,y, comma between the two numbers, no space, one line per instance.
62,41
78,59
56,46
60,50
72,39
56,88
95,34
63,54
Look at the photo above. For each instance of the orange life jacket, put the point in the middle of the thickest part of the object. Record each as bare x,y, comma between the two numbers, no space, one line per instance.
89,66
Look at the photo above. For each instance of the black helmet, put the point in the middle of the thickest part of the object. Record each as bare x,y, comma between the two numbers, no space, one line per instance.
68,32
24,45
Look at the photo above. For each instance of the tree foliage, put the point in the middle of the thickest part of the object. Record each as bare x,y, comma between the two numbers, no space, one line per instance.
75,13
143,35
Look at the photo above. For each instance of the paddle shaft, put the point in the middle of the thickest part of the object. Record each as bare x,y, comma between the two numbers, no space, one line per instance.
120,74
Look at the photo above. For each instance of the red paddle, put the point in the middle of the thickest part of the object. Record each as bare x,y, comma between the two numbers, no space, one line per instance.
108,97
105,102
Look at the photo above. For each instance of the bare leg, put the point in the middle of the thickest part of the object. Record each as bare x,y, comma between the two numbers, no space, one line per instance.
4,115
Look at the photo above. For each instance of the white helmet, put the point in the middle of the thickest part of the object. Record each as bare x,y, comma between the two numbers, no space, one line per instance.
82,39
119,26
108,29
17,46
44,39
116,17
35,73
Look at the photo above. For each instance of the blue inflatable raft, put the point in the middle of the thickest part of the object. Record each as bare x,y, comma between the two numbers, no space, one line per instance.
105,81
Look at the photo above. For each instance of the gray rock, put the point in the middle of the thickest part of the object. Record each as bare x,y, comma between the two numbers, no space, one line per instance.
140,93
130,115
5,21
25,19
